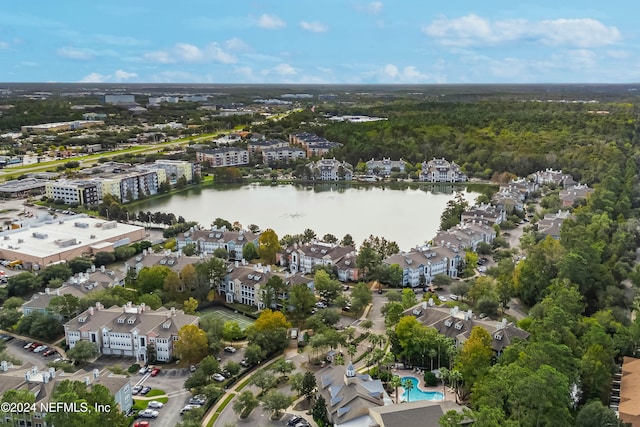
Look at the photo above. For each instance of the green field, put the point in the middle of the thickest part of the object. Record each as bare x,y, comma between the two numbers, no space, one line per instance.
226,314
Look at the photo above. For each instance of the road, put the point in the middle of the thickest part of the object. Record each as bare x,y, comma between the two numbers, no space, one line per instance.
171,381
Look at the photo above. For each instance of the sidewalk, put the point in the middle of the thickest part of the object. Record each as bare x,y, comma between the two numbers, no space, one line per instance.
303,414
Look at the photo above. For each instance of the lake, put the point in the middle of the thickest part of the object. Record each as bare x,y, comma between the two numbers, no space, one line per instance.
407,215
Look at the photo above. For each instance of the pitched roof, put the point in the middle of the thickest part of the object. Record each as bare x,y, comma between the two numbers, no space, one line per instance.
423,413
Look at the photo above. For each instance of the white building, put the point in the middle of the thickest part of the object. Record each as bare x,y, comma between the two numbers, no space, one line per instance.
330,170
224,157
440,170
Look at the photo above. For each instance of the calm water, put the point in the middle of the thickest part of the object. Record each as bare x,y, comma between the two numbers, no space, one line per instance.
409,216
418,394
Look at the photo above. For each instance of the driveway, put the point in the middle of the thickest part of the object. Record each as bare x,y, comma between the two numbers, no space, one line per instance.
15,349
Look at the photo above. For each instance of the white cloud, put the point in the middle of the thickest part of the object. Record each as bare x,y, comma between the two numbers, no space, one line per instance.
185,52
281,70
80,54
121,75
4,45
473,30
391,73
315,26
94,78
118,76
270,22
236,44
373,8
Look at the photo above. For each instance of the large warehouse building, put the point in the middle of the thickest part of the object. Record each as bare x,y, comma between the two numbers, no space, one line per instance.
62,240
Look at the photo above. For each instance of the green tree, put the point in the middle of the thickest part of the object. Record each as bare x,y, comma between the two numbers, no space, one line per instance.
253,354
268,246
249,251
409,298
192,344
65,305
83,351
104,258
244,404
232,331
441,280
263,379
475,358
190,306
325,286
80,264
308,385
232,367
360,297
77,392
150,300
367,259
319,411
283,367
595,414
452,214
42,326
23,284
347,240
301,301
55,271
151,279
276,402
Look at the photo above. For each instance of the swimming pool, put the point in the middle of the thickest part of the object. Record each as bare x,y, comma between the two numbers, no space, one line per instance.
418,394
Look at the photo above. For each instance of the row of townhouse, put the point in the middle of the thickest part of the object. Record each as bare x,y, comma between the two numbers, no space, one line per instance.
129,330
314,145
42,384
303,258
245,284
441,170
223,157
125,182
207,241
552,177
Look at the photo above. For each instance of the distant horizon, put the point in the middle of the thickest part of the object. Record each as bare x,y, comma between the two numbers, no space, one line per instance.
330,42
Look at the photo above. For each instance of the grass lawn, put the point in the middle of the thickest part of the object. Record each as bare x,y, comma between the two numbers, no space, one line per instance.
220,409
156,392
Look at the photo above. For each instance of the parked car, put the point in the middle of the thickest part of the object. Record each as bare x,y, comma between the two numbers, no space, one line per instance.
293,421
145,390
27,345
144,370
453,297
320,304
218,377
443,299
136,389
187,408
34,346
155,371
230,349
40,349
148,413
192,368
141,424
48,352
154,404
198,399
244,363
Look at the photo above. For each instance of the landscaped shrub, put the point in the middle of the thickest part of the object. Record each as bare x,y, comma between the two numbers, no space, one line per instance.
430,379
133,368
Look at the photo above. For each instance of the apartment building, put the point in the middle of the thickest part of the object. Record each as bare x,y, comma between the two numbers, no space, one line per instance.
74,192
129,330
330,170
173,170
283,154
302,258
441,170
384,167
207,241
223,157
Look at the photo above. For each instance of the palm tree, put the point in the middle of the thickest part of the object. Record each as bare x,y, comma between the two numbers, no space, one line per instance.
351,351
408,386
456,377
396,382
432,353
375,339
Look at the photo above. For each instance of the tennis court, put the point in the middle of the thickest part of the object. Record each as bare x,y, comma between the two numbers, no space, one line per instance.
226,314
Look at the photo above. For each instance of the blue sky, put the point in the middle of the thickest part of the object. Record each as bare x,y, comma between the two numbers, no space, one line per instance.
328,41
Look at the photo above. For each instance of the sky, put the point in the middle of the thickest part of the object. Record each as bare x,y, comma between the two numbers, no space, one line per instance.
321,42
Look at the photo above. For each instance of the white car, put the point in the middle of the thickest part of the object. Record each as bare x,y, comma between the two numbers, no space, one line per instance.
27,345
218,377
187,408
230,349
144,370
453,297
443,299
154,404
40,349
148,413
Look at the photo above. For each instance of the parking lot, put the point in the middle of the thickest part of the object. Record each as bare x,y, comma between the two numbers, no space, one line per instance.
15,348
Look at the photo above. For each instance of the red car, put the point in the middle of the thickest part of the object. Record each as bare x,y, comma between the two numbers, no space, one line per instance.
34,346
155,371
141,424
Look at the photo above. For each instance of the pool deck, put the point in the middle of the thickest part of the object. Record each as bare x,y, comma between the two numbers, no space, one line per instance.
446,391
